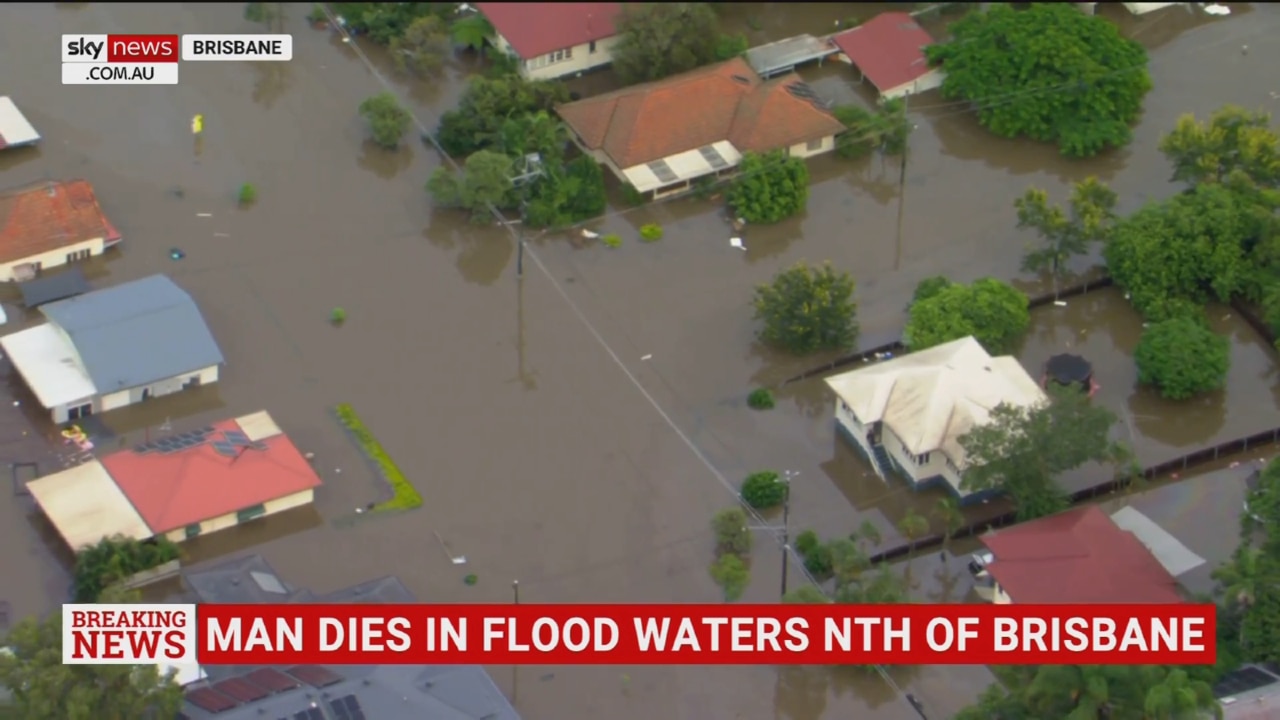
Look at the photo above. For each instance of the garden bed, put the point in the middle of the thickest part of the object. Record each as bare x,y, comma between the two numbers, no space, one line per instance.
404,496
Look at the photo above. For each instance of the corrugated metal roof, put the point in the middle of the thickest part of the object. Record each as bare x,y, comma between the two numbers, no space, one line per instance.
85,505
136,333
51,288
15,130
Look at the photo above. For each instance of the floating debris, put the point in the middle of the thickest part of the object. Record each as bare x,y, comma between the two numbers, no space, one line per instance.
176,254
197,124
204,214
646,357
737,243
589,235
1060,303
471,579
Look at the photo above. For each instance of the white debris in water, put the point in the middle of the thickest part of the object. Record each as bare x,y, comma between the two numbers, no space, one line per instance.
1219,10
589,235
460,560
204,214
1060,303
646,357
737,242
337,471
16,403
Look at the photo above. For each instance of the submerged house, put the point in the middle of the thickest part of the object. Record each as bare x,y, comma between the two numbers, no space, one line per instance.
889,52
659,137
49,224
554,40
909,413
115,347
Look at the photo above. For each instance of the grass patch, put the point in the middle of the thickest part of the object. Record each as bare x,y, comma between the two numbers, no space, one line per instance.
612,240
651,232
403,495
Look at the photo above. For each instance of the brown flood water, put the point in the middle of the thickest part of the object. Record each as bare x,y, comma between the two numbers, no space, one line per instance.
540,458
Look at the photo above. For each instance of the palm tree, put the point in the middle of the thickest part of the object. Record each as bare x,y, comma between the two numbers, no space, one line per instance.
472,32
912,526
952,518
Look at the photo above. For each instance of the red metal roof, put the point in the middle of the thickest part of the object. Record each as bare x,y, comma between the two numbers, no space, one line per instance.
535,29
38,218
888,49
172,490
1077,556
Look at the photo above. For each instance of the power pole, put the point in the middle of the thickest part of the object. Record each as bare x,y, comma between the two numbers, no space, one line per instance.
530,170
787,477
902,189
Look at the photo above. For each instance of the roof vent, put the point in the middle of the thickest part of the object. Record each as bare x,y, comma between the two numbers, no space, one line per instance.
741,79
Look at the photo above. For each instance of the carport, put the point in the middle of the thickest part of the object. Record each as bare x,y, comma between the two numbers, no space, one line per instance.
85,505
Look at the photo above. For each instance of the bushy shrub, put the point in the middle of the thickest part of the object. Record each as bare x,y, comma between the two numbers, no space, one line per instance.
806,542
115,559
651,232
387,119
248,194
763,490
760,399
732,535
611,240
1182,357
808,309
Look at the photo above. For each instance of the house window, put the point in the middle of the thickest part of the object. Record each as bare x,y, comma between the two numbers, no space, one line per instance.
922,459
814,145
77,255
560,56
192,530
81,411
592,46
250,513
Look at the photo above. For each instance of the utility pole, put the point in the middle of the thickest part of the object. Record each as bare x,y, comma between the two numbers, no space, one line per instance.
531,169
788,476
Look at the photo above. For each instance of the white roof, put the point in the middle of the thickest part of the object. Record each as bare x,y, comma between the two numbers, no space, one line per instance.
50,365
86,505
14,128
1144,8
929,399
687,165
1177,559
258,426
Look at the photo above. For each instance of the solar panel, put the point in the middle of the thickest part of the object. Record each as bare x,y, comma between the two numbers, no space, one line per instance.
663,171
210,701
347,707
1242,681
223,448
309,714
260,446
235,437
315,675
142,449
271,680
241,690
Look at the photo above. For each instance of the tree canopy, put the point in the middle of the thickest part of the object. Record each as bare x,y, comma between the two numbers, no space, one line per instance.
656,40
1191,247
1096,692
487,104
1233,141
1049,72
1065,233
114,559
387,119
770,188
423,46
1182,357
384,22
1023,450
1249,584
45,689
806,309
993,312
485,180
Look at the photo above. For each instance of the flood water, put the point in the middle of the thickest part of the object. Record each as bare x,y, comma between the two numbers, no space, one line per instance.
547,449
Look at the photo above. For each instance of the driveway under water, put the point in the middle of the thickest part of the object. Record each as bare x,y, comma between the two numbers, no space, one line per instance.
547,450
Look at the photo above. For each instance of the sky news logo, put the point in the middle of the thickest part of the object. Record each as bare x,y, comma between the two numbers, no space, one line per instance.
121,48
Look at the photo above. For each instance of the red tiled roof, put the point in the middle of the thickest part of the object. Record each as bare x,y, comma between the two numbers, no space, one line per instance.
888,49
1077,556
176,489
727,101
535,29
39,218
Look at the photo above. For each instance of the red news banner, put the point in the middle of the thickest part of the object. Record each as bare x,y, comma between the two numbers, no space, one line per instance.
642,634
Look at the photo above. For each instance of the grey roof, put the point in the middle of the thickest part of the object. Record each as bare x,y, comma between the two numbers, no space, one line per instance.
384,692
15,129
783,55
48,288
136,333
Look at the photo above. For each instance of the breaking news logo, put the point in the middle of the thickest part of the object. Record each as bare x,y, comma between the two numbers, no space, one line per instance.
828,634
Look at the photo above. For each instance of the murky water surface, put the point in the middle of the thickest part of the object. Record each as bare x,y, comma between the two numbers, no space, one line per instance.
540,459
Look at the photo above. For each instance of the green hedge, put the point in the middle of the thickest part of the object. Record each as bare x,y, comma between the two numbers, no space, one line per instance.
115,559
404,495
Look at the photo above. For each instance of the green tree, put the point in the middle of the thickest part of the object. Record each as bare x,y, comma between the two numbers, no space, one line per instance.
806,595
387,119
1190,247
45,689
114,559
1049,72
948,512
732,575
771,188
266,13
1182,357
423,46
1065,233
733,537
929,287
885,129
486,106
1093,692
1234,140
485,180
1022,450
566,194
913,526
472,32
1241,579
764,490
806,309
383,22
656,40
993,312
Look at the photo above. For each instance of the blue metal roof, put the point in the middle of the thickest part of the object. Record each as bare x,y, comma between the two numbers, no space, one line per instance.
136,333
